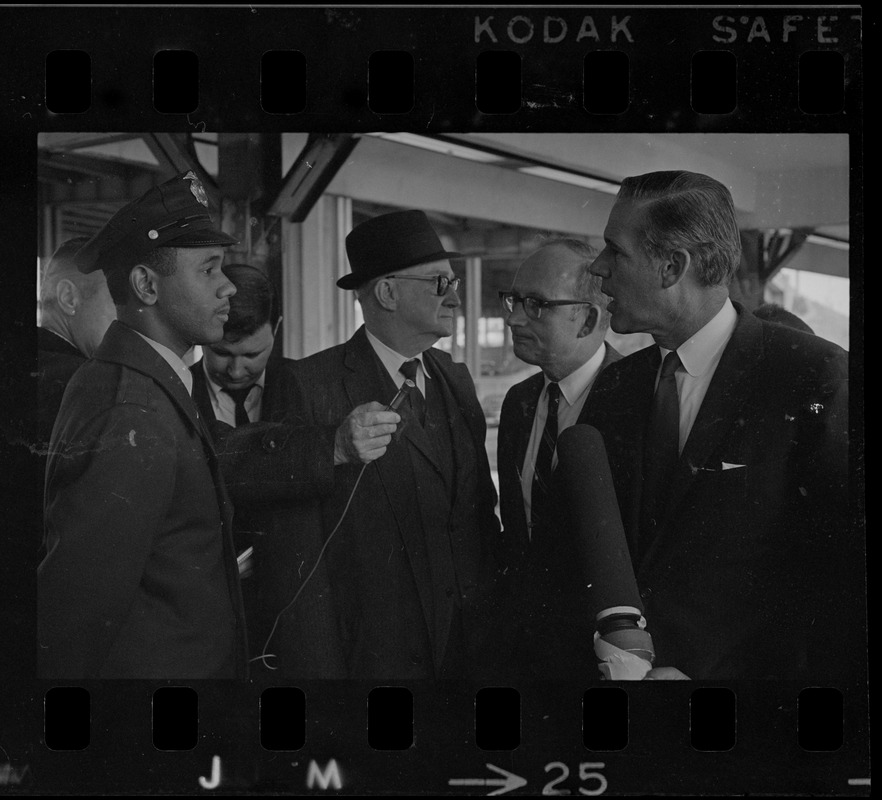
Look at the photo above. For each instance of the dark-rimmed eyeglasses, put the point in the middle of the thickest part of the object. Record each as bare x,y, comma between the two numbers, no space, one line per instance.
533,305
442,282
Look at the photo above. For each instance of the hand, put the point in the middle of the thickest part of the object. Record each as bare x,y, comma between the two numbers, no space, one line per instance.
665,674
364,435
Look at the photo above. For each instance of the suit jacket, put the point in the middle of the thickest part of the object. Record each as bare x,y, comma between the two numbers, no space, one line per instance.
57,361
140,577
269,466
743,575
408,569
550,630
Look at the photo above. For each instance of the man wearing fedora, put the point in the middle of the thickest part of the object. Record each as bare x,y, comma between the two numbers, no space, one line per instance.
140,576
408,569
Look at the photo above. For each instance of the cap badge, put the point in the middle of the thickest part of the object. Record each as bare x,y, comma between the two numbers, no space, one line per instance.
152,234
196,188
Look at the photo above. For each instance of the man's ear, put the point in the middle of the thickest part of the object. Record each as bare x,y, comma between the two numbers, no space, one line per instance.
386,294
591,320
67,295
675,267
143,281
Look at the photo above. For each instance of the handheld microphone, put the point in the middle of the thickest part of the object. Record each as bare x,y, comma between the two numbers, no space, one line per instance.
403,392
601,550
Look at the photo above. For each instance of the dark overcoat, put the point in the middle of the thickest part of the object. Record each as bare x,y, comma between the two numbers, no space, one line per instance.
407,575
140,577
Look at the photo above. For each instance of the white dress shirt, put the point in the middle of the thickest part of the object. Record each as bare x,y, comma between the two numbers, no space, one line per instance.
393,360
700,356
174,362
573,392
225,407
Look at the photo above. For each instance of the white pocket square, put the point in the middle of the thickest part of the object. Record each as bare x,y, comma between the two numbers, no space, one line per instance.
733,466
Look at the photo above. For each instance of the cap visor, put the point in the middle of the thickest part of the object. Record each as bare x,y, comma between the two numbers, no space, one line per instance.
203,238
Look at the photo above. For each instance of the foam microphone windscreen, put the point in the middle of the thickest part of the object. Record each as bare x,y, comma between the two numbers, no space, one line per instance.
601,549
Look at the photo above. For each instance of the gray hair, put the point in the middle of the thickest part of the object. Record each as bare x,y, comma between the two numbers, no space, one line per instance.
689,211
587,284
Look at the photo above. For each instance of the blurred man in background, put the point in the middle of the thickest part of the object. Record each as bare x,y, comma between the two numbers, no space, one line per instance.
75,312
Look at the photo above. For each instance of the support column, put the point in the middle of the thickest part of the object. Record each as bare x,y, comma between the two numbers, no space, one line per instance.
473,313
316,313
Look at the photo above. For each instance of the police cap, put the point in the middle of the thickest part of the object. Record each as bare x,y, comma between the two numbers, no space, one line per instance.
173,214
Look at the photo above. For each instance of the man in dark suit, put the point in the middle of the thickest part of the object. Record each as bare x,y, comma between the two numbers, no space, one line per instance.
75,312
558,320
140,577
269,462
728,446
408,537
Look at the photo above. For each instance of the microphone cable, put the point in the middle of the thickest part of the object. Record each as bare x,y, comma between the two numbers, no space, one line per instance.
399,398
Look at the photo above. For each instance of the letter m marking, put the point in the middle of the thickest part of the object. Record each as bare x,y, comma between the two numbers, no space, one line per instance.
329,778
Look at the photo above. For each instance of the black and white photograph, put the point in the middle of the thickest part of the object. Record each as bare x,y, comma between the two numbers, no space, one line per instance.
371,434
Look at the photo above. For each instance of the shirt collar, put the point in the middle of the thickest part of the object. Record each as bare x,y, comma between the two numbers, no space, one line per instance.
392,359
698,353
180,368
580,379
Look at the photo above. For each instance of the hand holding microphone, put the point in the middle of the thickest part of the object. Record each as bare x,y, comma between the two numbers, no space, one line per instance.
621,642
365,434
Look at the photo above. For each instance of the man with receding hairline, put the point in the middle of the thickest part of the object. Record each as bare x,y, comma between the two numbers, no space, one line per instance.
558,320
728,445
75,312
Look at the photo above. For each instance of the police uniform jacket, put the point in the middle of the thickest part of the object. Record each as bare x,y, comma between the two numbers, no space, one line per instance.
140,577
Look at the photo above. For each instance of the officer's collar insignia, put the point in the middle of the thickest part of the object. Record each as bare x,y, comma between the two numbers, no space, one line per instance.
196,188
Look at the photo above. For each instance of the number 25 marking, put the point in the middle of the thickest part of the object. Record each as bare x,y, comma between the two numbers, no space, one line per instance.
587,772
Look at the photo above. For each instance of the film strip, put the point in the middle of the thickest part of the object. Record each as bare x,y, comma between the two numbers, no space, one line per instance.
445,72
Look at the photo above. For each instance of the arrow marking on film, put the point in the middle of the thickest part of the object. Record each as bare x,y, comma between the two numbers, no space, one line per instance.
507,783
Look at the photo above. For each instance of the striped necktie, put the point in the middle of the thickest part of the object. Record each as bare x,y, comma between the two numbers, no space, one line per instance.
540,497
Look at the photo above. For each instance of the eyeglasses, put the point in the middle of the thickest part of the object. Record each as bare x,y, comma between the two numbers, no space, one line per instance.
533,305
442,282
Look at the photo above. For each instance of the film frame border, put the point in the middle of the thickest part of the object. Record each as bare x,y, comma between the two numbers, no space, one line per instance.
228,101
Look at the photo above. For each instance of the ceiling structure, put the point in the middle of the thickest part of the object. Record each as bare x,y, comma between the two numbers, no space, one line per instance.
487,182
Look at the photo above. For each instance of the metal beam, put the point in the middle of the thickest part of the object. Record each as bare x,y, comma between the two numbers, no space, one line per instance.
314,169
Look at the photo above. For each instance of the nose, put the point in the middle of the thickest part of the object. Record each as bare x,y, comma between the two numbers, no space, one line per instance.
599,265
517,315
236,369
227,289
451,298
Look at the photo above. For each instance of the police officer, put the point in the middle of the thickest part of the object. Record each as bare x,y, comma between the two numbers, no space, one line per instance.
140,577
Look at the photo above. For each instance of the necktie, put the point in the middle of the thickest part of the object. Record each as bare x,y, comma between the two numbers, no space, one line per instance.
661,449
540,493
239,396
415,396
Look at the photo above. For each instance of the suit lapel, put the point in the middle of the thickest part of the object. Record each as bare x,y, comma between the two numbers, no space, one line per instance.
122,345
367,380
272,395
611,355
